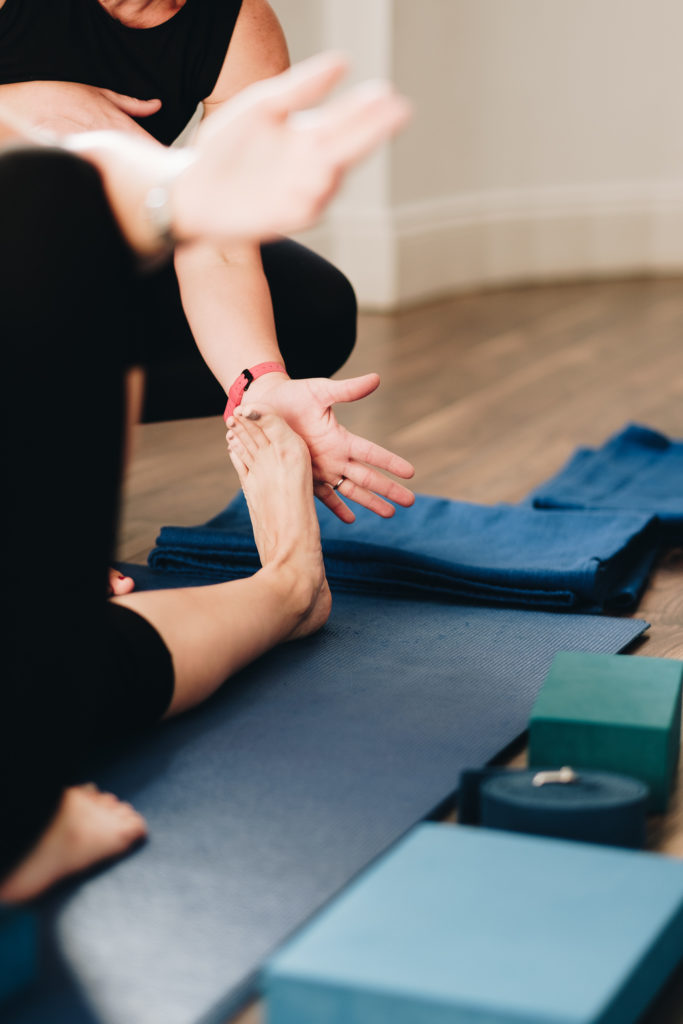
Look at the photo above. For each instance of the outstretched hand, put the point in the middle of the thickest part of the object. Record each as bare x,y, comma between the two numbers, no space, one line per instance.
263,164
266,163
306,405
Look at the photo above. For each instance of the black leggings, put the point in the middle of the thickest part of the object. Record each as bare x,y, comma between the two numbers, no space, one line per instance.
77,669
80,671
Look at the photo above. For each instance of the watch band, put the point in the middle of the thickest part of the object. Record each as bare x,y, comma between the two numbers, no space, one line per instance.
159,214
239,386
158,207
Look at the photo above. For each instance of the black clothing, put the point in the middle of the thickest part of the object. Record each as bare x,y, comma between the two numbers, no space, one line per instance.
315,314
77,670
178,62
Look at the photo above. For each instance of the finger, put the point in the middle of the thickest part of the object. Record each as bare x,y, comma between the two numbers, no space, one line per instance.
372,480
304,84
362,450
366,498
349,390
130,105
351,126
331,498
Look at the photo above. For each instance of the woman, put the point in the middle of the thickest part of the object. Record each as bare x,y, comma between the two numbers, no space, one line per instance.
68,66
278,305
81,670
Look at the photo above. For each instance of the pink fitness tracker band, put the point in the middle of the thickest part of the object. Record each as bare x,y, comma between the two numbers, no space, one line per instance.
244,380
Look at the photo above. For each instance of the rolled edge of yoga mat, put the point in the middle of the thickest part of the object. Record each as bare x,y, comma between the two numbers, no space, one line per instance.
469,793
18,951
596,807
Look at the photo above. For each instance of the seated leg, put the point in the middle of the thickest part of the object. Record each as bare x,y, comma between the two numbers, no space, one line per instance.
214,631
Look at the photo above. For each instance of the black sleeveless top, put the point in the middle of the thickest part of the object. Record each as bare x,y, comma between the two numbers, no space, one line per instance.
177,62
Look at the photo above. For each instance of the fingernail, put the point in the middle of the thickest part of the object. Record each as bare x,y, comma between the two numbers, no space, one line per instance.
123,577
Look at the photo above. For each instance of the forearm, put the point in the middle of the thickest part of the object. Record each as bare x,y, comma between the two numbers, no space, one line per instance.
15,101
227,303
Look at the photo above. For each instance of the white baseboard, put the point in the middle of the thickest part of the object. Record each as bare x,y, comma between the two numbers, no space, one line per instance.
417,251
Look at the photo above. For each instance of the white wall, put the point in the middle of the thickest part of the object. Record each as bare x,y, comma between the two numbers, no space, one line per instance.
548,141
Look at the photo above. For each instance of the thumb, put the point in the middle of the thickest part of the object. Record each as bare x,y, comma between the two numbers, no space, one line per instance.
353,388
130,105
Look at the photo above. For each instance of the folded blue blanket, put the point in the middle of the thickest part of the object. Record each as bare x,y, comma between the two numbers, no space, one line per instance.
513,555
637,470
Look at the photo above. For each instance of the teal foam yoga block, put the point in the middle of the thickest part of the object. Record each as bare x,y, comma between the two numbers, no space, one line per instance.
18,951
457,925
613,713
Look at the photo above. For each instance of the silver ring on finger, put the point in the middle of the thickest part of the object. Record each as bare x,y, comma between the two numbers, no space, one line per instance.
340,481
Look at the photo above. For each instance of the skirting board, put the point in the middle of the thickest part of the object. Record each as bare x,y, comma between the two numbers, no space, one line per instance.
412,252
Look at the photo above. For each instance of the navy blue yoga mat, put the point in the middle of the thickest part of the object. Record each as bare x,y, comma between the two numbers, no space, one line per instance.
637,470
511,555
268,799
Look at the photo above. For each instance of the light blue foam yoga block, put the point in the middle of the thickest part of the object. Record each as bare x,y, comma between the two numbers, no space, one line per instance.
460,925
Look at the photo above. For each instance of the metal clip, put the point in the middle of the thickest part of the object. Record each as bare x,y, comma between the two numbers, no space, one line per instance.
563,776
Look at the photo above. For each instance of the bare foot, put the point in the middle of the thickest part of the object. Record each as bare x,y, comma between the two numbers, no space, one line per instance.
120,584
274,468
88,827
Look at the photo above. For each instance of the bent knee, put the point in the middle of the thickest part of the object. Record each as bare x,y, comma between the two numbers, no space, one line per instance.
314,306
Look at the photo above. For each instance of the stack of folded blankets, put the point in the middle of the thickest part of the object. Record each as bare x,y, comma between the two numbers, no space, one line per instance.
637,470
585,541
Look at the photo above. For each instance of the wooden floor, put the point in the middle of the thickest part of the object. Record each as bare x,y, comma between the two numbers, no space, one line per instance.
487,395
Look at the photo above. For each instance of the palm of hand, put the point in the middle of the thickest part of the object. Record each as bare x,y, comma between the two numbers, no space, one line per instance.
258,140
335,452
270,124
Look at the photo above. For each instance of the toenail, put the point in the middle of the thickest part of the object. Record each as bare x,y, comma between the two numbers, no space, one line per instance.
253,414
230,422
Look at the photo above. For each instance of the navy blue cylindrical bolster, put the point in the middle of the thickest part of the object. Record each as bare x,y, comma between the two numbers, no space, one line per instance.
598,807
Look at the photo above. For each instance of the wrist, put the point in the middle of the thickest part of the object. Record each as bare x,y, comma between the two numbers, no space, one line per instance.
262,386
249,378
187,226
163,207
140,178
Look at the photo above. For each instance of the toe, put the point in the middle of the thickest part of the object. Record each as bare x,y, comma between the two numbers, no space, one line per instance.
120,584
238,450
135,824
248,429
240,467
274,428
